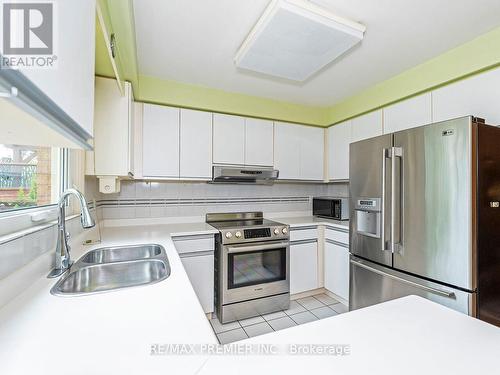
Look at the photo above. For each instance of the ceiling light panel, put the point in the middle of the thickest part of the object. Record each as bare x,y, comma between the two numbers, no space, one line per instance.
294,39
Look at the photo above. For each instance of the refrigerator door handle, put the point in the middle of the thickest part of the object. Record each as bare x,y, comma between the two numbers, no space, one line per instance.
396,152
385,153
429,289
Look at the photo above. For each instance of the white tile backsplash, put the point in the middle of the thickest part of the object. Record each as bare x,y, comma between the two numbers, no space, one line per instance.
228,198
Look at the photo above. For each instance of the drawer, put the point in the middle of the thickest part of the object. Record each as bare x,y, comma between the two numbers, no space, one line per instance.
337,235
304,233
194,244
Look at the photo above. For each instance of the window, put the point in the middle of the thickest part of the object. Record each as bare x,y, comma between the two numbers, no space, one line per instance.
30,176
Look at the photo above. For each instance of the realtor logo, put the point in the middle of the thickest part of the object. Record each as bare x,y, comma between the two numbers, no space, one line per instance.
28,35
28,29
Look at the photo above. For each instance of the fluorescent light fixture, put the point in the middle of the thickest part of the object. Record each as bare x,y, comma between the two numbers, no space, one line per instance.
294,39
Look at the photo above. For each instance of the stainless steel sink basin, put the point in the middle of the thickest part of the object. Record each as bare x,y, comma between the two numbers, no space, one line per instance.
121,254
112,268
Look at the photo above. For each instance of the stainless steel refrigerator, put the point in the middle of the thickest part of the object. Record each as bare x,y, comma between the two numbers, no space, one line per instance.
425,217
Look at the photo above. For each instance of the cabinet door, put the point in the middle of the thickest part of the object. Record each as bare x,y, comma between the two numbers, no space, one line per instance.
160,151
112,123
337,269
200,270
366,126
229,139
303,267
71,83
408,114
287,150
312,142
339,138
477,96
195,144
258,142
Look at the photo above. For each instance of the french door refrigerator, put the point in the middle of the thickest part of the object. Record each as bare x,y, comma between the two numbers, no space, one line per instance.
425,217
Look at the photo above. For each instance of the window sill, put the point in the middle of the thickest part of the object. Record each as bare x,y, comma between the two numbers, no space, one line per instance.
30,230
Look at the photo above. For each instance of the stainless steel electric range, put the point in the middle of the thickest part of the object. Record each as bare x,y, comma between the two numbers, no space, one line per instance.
252,265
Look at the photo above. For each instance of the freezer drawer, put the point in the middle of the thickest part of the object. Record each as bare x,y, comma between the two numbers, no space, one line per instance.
370,284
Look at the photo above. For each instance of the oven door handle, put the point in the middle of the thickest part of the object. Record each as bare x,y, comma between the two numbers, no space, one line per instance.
245,248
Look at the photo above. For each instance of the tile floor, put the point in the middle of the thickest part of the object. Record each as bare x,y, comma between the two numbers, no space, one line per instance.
301,311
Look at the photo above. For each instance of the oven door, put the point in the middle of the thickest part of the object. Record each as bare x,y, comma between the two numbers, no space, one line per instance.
254,271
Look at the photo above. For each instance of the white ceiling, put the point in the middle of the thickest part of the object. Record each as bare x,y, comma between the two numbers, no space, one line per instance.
195,41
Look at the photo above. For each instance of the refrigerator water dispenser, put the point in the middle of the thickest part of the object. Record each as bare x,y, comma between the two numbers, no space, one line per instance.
368,217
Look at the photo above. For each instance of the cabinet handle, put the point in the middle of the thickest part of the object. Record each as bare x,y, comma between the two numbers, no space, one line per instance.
300,242
337,243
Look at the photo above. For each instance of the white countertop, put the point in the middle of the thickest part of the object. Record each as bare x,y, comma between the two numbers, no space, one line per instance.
303,221
112,333
108,333
410,335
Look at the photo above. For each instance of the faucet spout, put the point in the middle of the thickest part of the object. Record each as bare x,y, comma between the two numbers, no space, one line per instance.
63,259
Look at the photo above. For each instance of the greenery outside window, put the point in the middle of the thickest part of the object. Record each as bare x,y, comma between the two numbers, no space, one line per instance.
31,176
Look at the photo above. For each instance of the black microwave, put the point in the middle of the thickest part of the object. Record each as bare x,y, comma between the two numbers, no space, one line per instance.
331,208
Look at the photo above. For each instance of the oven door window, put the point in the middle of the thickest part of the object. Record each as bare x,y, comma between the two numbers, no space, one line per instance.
256,267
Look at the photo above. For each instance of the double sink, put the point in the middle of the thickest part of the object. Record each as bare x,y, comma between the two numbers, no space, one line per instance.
111,268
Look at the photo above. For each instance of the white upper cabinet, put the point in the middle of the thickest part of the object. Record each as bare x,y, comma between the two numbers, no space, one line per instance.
228,139
71,83
312,142
408,114
366,126
339,138
287,150
113,123
160,135
258,142
298,151
195,144
478,96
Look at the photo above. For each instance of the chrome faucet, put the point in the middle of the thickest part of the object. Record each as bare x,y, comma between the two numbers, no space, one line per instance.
63,258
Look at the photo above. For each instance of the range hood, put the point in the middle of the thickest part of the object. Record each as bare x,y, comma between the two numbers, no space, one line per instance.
244,175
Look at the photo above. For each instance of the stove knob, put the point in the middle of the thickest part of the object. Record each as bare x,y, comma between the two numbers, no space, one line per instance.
285,230
237,234
229,235
276,231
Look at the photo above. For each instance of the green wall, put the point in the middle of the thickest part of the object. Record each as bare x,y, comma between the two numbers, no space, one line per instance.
476,56
154,90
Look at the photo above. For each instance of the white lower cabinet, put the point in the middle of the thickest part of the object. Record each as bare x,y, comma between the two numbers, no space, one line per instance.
303,266
200,270
197,257
336,268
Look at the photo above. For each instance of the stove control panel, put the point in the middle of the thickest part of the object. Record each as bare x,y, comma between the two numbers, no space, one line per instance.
255,234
